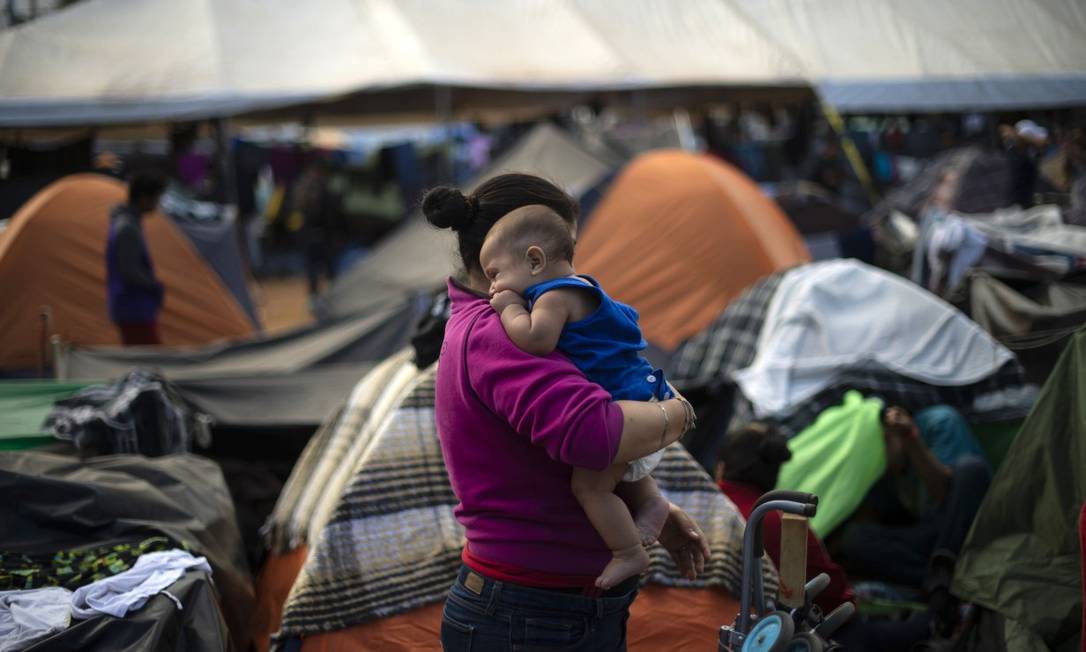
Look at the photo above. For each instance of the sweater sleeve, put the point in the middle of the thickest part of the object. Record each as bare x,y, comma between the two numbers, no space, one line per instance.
545,398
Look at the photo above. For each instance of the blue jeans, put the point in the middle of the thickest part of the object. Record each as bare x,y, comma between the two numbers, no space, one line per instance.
502,616
901,554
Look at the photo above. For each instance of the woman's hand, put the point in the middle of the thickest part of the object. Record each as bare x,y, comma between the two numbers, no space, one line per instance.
684,541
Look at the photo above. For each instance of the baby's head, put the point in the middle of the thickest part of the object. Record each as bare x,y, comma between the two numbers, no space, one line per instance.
529,245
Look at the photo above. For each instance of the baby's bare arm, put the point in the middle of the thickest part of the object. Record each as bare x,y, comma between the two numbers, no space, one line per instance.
537,332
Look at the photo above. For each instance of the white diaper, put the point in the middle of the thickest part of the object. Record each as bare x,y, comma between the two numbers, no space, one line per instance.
642,466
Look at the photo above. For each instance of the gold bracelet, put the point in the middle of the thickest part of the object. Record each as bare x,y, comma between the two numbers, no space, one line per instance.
667,425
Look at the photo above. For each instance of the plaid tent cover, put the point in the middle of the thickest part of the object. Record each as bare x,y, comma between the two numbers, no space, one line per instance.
391,543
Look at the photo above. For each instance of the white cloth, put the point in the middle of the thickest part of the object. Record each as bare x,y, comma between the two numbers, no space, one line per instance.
26,617
830,316
130,590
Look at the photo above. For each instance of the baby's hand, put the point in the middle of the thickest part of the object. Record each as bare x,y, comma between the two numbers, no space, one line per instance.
502,300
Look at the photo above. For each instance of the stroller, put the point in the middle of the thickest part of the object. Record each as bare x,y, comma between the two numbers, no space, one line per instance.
801,629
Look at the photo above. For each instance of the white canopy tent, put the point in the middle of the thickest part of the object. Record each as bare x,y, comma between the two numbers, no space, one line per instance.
110,61
933,55
122,61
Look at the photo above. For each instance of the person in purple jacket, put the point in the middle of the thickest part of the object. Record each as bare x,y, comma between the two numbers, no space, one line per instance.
512,427
135,295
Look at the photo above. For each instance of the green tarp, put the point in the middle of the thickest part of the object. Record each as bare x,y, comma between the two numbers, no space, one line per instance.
23,407
1021,558
838,458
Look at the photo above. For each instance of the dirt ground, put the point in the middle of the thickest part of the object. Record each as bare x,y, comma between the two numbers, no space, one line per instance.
283,303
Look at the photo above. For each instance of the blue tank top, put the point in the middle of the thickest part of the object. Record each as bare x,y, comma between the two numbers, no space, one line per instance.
607,344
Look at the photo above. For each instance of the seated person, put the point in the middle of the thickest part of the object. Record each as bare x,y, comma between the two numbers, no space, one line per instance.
913,523
935,480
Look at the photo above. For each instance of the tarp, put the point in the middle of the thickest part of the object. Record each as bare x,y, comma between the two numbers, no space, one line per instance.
418,257
1021,558
294,379
929,55
830,317
678,236
159,625
23,408
1035,320
53,254
54,502
112,61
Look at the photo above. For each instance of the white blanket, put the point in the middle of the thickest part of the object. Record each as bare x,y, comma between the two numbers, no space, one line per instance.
26,617
830,316
130,590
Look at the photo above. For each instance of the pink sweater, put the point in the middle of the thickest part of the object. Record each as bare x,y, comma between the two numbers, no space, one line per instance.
512,427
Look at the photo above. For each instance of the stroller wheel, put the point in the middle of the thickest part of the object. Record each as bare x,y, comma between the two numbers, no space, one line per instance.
806,642
771,633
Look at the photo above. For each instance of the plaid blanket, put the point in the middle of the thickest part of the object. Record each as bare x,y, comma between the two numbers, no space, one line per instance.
731,342
334,453
391,543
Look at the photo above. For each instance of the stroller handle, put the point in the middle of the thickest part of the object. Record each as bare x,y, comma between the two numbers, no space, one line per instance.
793,496
753,549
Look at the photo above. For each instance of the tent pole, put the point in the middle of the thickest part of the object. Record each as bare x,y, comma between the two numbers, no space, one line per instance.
837,123
227,191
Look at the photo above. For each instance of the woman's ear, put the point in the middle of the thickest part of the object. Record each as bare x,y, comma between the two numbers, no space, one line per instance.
537,259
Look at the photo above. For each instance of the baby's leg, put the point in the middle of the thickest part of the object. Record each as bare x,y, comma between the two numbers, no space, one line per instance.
594,490
648,506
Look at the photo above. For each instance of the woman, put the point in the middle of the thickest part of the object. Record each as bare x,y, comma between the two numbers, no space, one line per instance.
512,427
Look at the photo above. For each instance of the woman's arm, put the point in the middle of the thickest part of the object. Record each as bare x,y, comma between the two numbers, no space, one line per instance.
550,401
648,427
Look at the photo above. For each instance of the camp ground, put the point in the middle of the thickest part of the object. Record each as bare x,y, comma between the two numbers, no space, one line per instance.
853,232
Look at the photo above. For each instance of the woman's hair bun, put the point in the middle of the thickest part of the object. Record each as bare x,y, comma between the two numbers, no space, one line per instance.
447,208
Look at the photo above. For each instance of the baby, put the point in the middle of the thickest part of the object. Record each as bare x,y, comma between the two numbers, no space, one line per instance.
544,305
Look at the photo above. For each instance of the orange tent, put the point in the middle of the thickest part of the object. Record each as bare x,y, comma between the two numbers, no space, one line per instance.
53,254
678,236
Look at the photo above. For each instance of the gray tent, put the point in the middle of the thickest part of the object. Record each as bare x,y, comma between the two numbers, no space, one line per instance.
418,257
212,228
295,379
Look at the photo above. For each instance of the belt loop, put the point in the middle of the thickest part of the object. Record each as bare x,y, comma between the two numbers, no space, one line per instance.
495,595
599,608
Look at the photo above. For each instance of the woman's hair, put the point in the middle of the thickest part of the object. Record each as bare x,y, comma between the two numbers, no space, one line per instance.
473,215
753,454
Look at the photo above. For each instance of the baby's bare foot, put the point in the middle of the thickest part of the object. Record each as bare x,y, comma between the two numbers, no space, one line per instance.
650,519
625,563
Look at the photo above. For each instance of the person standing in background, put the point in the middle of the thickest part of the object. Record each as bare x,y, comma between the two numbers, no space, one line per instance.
135,295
